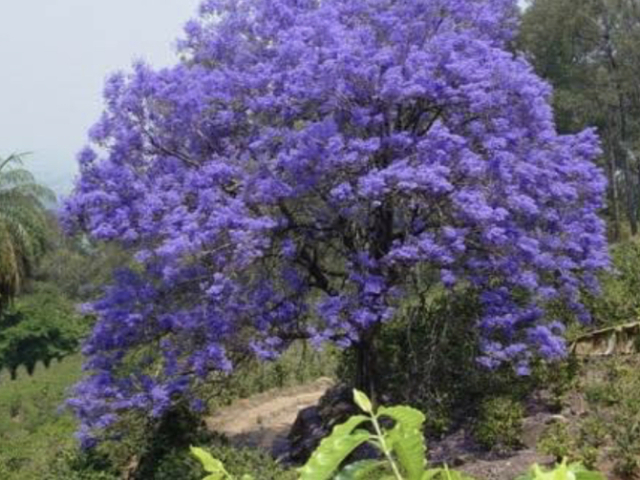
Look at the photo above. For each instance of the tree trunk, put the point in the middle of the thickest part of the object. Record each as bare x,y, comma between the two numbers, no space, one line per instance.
614,209
366,371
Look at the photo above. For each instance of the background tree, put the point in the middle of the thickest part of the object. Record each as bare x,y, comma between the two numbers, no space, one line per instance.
24,225
308,168
588,50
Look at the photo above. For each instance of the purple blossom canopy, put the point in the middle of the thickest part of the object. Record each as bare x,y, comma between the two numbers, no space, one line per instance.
308,164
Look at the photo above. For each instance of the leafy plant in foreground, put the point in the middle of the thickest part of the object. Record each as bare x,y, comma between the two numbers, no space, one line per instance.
573,471
401,447
402,452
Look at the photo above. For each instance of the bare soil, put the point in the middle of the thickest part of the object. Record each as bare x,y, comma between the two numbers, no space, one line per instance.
263,421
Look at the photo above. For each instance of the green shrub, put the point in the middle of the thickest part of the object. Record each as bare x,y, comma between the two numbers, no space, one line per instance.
556,440
40,327
72,464
557,379
245,461
613,392
619,302
626,449
426,357
499,424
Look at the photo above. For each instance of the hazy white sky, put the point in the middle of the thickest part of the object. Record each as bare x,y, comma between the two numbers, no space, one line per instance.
54,57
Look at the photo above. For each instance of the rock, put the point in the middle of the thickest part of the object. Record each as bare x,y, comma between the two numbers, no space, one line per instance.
532,429
314,423
462,459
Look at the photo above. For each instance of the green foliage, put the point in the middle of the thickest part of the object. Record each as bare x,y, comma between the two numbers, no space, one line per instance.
35,436
73,464
216,469
557,440
426,357
557,379
574,471
613,393
401,450
40,327
79,269
499,426
212,466
24,226
402,447
619,302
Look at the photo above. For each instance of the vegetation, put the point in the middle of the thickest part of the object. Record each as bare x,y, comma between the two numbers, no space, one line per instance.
24,226
34,432
42,326
592,61
401,452
499,424
306,199
386,193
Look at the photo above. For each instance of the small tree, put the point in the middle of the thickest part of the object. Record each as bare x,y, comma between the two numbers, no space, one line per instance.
309,165
23,225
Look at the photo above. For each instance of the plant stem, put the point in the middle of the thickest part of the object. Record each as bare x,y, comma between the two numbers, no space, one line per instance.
385,449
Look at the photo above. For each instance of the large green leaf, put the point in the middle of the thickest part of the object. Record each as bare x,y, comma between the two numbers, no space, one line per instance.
362,470
407,416
334,449
407,440
211,465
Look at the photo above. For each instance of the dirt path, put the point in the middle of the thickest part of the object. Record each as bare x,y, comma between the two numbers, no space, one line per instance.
263,421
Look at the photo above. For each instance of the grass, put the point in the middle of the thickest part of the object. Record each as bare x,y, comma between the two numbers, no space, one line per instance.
36,434
34,430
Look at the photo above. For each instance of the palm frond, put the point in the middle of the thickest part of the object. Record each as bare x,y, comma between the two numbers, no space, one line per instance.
15,176
24,226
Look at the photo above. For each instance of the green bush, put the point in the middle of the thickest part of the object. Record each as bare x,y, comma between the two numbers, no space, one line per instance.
613,393
558,441
426,357
401,447
40,327
619,302
499,424
72,464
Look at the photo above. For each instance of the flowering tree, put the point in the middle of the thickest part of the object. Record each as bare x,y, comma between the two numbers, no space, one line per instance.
310,163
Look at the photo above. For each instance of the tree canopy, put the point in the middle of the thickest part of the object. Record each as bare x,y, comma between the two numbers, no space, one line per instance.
588,50
309,165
